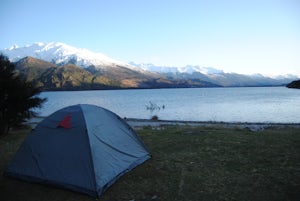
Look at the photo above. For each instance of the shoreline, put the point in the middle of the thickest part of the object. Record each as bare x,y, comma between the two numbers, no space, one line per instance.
253,126
140,123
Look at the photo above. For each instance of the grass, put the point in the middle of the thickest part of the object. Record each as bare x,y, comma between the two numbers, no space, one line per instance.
189,163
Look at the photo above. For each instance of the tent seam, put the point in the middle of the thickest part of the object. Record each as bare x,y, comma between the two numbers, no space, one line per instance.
90,151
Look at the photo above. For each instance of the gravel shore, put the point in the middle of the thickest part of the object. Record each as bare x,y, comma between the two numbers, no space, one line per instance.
140,123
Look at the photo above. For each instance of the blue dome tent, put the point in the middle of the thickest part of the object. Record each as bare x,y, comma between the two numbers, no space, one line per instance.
83,148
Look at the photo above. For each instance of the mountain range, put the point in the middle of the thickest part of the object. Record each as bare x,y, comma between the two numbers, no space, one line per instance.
57,66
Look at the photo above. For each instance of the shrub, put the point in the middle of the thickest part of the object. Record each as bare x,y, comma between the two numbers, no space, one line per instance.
154,118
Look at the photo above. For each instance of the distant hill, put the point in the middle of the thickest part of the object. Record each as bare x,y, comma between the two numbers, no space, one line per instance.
218,77
294,84
50,76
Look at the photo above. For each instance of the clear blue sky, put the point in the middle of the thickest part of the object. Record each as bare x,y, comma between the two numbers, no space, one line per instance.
244,36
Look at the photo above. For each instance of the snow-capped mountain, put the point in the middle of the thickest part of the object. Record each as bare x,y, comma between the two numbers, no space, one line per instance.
184,69
60,54
216,76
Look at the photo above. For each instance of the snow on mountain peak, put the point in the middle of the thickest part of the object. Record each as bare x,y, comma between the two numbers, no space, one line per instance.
189,69
13,47
60,53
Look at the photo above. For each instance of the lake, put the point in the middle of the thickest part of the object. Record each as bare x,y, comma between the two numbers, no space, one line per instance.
244,104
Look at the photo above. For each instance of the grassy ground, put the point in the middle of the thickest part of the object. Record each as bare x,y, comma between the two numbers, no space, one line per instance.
189,163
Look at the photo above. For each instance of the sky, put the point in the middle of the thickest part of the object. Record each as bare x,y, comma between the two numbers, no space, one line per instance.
242,36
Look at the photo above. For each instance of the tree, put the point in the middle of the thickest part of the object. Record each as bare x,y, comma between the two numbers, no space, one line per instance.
17,97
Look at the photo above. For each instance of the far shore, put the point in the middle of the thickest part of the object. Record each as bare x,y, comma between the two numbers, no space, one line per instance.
140,123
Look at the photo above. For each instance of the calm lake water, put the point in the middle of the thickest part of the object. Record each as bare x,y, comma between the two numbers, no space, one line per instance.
245,104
